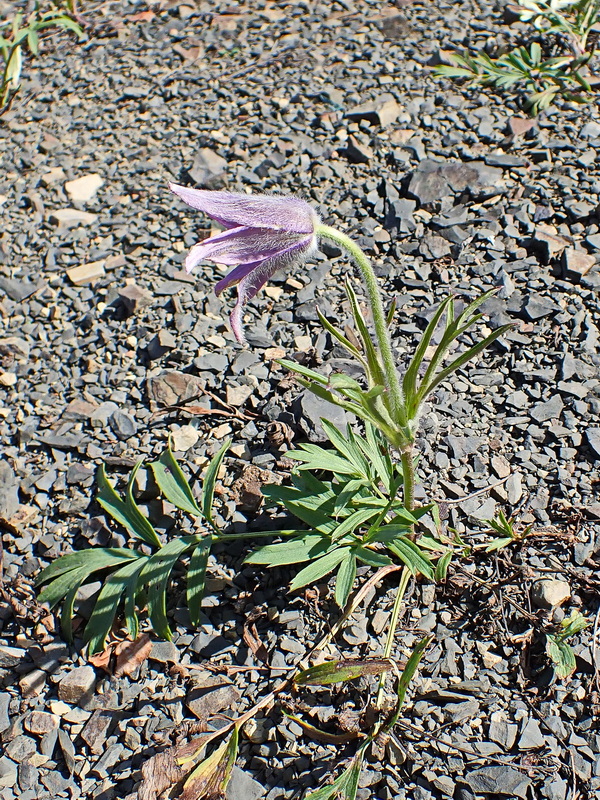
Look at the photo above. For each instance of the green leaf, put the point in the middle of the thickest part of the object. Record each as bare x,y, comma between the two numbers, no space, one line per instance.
562,656
441,567
33,42
103,616
376,373
345,342
126,513
156,575
293,366
315,457
345,786
345,580
409,384
467,356
371,557
295,551
341,671
573,624
94,559
77,577
208,486
319,568
173,484
346,445
69,24
351,493
498,544
354,521
196,577
411,555
376,451
314,510
407,675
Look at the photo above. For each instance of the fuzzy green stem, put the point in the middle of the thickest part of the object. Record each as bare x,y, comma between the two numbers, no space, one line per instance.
389,642
408,471
379,318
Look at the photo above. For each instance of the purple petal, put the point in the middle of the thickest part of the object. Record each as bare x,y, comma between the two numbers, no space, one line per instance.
254,279
254,211
235,276
241,246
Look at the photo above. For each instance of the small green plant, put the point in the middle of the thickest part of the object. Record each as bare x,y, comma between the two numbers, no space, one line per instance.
507,530
558,649
542,77
138,576
19,34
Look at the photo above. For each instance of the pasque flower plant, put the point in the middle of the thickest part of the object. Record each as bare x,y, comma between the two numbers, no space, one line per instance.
265,233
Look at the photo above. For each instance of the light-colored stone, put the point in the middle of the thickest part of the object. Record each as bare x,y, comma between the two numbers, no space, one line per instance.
86,273
81,190
77,686
184,438
55,175
41,722
33,683
577,264
11,656
237,395
71,217
14,346
8,378
550,592
500,466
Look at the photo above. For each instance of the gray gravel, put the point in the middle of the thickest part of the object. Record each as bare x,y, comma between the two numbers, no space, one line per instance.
104,339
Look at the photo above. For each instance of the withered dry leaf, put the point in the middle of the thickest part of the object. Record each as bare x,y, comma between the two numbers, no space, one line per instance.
130,655
251,637
163,776
159,773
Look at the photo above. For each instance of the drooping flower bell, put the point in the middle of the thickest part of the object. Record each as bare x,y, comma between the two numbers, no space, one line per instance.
265,233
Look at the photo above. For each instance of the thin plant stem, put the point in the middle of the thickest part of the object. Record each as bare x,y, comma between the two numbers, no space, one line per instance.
408,472
389,642
379,317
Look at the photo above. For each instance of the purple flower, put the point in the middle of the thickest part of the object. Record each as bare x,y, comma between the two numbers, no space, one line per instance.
264,234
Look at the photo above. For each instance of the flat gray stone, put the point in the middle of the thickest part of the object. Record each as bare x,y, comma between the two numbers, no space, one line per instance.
502,780
243,787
